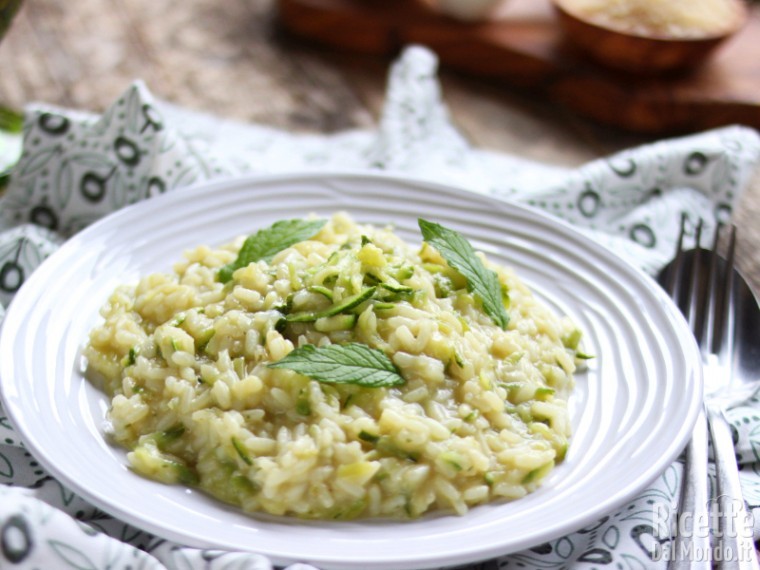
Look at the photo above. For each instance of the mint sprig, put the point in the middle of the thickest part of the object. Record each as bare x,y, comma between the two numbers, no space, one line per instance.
268,242
460,255
351,363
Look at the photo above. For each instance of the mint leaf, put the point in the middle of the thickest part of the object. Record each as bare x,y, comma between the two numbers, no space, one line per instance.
266,243
460,255
351,363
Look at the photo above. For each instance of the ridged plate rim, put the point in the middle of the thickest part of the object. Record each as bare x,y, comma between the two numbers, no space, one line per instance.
632,412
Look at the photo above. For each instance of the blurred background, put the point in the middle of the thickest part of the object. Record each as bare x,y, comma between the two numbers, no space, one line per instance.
511,80
236,59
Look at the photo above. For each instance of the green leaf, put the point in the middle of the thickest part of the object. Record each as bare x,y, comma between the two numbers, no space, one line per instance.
351,363
460,255
11,120
267,243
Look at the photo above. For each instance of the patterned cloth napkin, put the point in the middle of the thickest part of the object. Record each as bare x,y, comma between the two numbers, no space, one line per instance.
76,167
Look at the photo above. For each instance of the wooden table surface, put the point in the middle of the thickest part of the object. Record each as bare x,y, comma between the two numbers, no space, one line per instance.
230,58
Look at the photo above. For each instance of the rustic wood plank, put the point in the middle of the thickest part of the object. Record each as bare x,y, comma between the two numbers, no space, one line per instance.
523,46
221,59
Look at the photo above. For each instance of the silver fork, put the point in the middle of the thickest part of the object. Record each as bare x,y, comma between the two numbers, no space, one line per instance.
702,284
692,533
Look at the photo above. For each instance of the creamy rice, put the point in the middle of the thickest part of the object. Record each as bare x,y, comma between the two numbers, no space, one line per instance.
481,416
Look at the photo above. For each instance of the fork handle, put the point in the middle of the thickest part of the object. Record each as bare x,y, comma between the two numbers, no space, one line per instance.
691,546
734,548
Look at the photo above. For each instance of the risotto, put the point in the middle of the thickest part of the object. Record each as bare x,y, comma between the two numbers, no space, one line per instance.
343,373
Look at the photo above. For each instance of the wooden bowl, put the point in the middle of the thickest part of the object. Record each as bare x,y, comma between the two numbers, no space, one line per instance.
639,53
466,10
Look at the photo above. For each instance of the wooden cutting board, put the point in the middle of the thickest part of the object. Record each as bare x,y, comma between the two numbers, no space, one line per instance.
522,46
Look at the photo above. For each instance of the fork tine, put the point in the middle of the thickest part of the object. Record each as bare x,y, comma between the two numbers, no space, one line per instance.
695,295
717,330
712,331
673,277
729,312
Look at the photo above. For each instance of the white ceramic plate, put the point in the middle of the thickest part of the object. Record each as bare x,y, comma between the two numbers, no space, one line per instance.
632,411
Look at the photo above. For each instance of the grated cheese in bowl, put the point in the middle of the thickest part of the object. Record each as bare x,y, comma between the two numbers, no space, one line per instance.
658,18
